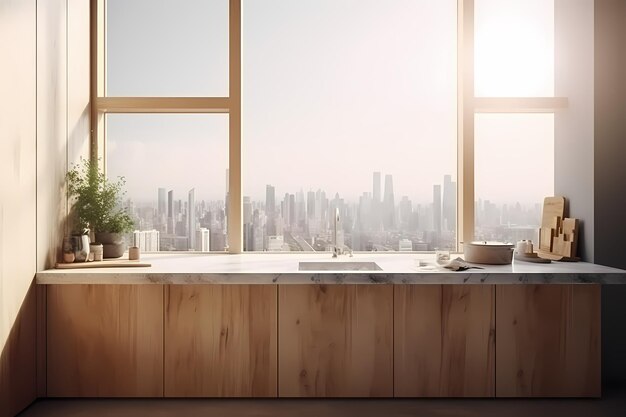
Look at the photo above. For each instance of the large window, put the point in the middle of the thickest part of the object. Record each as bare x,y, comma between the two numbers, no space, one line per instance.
249,124
350,106
514,148
166,129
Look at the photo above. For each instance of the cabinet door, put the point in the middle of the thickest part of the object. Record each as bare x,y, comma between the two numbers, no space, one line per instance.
335,340
548,340
105,340
220,341
444,340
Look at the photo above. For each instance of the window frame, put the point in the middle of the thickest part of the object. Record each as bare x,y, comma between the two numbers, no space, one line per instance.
231,105
467,106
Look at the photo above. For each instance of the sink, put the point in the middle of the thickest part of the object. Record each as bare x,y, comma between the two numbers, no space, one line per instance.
339,266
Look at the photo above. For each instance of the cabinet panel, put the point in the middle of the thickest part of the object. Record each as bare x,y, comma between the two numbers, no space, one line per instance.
444,340
548,340
220,341
335,341
105,340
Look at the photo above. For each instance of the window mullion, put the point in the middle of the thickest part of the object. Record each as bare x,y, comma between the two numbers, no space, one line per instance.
235,209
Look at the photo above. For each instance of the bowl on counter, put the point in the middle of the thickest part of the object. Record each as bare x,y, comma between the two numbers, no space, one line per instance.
488,252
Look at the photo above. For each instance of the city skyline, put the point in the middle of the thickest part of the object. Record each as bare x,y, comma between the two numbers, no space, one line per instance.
299,221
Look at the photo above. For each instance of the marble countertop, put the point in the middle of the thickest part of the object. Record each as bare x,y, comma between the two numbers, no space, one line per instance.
262,268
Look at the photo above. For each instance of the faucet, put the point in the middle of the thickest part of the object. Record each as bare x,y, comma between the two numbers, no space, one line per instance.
338,247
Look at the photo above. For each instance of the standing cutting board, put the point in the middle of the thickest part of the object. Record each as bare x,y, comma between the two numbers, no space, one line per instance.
551,217
552,207
558,235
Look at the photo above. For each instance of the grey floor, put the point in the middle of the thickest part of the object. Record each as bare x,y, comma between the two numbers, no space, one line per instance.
612,404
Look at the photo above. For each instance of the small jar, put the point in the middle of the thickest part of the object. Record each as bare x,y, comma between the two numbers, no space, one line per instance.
68,250
133,253
97,250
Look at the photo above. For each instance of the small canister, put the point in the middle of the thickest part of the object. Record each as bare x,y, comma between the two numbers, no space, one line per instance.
97,250
524,247
133,253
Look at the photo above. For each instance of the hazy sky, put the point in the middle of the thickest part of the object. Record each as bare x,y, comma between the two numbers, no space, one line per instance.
332,91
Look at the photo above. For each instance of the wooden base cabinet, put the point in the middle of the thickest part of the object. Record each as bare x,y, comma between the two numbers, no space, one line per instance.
444,341
105,340
308,340
220,341
335,340
548,340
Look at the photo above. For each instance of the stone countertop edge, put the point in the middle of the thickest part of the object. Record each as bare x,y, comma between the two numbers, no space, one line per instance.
122,277
283,269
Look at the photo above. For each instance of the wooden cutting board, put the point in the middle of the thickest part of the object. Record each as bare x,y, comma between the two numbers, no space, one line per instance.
553,207
116,263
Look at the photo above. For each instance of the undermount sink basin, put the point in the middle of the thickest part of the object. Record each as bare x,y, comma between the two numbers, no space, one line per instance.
338,266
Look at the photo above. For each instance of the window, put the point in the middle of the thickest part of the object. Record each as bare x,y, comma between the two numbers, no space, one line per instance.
164,107
514,48
514,117
166,48
514,172
175,166
349,106
267,116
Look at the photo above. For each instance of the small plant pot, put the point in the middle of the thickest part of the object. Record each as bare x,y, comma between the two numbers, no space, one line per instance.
113,244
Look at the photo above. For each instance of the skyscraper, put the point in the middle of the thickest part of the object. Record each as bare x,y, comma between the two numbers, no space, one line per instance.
270,210
376,188
405,210
170,212
270,199
292,210
247,210
191,219
284,210
389,205
161,204
449,203
437,208
310,205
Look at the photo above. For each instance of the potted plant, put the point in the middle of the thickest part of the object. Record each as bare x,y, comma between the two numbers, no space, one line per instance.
97,206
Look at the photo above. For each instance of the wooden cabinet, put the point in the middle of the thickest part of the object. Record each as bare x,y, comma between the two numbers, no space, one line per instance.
105,340
353,340
335,340
444,340
220,341
548,340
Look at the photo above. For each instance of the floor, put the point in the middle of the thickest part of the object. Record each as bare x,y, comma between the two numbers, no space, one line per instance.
612,404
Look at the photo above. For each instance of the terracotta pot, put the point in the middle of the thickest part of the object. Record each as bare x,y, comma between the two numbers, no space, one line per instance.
113,244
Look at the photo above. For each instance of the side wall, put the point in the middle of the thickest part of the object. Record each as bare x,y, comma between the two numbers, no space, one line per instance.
44,124
573,127
17,204
610,177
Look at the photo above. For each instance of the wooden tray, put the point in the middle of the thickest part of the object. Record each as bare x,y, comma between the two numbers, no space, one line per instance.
556,257
531,257
117,263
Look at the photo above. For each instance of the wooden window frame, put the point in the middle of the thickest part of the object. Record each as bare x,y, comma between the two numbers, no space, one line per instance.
467,107
231,105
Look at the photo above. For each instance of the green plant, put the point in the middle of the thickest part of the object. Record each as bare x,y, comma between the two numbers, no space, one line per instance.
97,201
